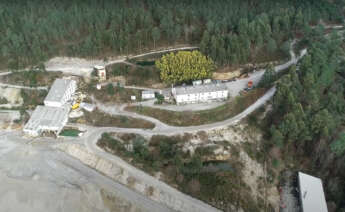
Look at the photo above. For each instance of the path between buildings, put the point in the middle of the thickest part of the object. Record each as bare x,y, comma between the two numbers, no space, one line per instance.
23,87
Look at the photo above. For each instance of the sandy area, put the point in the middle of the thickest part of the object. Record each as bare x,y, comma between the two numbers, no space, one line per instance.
12,95
36,177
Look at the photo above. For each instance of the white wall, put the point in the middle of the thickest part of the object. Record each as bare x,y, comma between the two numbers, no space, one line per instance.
148,96
67,96
201,97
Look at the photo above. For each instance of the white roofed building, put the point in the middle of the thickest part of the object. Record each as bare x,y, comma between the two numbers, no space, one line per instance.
60,92
311,192
200,93
147,94
47,119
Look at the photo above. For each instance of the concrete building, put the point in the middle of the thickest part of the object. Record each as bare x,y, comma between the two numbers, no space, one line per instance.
200,93
147,95
101,73
47,119
312,197
60,92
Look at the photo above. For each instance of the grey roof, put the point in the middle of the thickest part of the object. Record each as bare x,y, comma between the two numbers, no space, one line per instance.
166,92
200,88
311,193
147,92
58,89
45,117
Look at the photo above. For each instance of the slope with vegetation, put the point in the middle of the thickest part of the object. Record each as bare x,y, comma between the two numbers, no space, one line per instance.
307,120
219,183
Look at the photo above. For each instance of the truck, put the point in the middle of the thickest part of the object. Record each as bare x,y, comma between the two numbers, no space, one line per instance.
249,86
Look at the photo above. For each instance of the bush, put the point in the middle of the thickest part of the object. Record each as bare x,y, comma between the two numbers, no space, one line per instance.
110,89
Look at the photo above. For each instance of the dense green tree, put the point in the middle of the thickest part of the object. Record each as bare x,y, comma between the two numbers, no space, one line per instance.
268,77
184,66
84,28
110,89
156,34
338,146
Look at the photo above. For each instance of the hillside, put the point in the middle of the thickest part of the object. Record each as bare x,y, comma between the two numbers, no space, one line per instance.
230,31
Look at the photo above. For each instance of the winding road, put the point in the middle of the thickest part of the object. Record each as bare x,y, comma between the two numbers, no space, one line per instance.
185,202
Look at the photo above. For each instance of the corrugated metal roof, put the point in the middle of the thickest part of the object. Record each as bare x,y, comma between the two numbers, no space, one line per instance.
200,88
45,117
58,89
311,193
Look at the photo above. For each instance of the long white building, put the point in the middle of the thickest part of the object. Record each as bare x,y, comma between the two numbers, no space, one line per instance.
200,93
60,92
47,119
312,196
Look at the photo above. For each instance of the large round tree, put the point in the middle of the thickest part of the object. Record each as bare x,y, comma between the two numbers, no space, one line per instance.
184,66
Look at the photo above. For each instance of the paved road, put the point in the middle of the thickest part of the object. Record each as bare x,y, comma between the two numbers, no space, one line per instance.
164,129
119,110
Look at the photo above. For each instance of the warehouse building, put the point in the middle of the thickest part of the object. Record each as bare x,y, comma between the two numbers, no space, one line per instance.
60,92
47,119
200,93
312,196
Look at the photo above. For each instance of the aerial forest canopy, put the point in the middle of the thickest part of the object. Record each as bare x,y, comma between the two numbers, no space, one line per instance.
184,66
229,31
307,118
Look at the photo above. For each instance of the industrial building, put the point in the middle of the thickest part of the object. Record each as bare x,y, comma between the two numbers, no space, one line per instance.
60,92
53,116
200,93
312,197
47,119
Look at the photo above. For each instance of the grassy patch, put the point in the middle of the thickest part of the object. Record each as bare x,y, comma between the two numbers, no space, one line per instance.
263,56
115,94
31,78
146,63
218,183
100,119
220,113
70,132
145,74
3,101
32,98
151,57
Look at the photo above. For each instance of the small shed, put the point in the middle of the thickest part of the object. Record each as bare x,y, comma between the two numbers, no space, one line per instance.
147,94
312,196
101,73
197,82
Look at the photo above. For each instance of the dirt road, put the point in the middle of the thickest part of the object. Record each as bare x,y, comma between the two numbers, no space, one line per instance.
84,67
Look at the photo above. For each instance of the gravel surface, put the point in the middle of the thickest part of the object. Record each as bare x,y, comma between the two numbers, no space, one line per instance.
84,67
36,177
